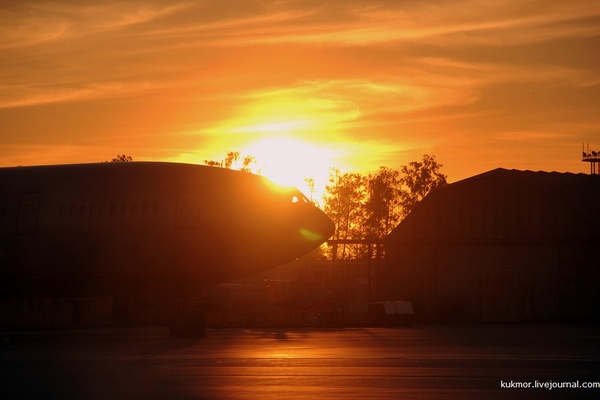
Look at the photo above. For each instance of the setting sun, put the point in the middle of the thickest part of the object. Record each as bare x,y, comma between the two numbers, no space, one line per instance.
504,85
289,162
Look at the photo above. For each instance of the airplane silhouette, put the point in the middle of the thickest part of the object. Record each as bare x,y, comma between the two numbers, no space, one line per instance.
122,229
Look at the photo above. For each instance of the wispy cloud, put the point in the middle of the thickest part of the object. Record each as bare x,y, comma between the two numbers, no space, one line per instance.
459,23
27,24
65,52
68,48
396,74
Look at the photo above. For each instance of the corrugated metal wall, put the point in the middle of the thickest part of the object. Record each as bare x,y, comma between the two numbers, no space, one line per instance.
496,249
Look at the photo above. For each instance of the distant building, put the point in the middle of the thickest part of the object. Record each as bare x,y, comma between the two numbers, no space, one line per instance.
502,246
305,292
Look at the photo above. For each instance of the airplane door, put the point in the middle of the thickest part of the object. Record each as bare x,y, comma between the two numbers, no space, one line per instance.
188,208
27,215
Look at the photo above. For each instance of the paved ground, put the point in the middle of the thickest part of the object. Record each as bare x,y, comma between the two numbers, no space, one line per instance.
423,362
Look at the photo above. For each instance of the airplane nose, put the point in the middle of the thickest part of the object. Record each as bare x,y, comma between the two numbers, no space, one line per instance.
317,227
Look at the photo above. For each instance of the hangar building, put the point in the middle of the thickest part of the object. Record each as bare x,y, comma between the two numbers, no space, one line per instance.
502,246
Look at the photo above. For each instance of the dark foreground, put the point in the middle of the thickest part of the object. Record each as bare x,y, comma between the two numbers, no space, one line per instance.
423,362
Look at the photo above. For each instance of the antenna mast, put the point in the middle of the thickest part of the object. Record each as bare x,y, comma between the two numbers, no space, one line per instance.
593,157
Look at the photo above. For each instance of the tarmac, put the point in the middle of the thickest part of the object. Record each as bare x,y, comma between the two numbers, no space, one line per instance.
493,361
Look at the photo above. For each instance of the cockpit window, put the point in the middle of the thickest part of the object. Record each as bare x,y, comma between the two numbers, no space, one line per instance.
299,198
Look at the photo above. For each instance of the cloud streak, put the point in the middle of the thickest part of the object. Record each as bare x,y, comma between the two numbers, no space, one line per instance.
408,77
94,39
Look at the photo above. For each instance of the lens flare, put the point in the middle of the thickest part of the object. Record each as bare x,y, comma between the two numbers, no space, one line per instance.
310,235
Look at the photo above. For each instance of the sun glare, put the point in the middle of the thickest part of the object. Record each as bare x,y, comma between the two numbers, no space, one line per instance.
289,162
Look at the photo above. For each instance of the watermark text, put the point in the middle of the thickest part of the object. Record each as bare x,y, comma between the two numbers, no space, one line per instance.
548,385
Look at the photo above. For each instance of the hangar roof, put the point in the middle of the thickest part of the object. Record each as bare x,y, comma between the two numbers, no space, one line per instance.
505,203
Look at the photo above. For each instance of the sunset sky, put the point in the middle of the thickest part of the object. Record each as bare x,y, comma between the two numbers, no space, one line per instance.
352,84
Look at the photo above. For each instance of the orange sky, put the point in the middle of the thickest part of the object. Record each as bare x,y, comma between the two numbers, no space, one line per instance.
481,85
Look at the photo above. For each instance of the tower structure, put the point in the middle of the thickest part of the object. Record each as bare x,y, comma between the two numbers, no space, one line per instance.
593,157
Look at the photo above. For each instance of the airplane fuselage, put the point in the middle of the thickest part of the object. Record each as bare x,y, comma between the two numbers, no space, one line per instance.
127,228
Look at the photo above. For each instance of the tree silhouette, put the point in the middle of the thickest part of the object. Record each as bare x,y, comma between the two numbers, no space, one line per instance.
212,163
311,186
418,179
382,207
370,207
344,204
231,161
122,158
